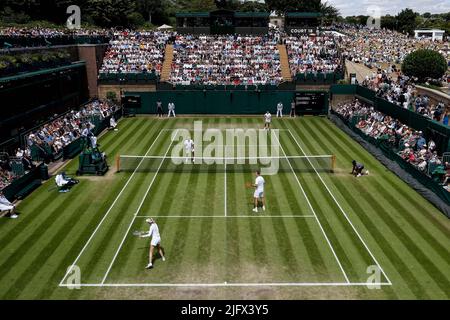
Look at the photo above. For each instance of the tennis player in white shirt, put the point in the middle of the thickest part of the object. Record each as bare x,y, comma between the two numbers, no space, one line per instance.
155,241
267,120
259,191
189,149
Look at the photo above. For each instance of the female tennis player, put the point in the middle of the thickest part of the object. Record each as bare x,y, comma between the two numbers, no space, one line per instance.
155,242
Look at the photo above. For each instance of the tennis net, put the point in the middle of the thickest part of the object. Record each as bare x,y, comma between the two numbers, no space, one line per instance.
320,163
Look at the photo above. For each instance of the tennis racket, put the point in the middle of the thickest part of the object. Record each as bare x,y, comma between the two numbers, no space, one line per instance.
138,233
248,185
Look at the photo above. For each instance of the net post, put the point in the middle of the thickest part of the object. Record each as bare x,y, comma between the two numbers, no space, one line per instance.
117,163
333,162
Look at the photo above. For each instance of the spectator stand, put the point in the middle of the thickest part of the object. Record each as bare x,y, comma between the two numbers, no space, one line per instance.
43,151
398,147
21,180
408,117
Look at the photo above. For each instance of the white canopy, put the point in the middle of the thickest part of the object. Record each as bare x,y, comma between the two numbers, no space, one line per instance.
165,27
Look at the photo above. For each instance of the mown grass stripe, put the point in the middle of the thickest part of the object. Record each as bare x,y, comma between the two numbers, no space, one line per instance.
32,238
409,243
73,242
30,215
205,235
336,242
71,215
403,269
115,223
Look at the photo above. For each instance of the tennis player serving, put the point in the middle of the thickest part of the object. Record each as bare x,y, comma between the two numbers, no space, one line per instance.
259,191
154,243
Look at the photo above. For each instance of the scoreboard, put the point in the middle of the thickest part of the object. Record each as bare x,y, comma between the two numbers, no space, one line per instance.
131,102
311,103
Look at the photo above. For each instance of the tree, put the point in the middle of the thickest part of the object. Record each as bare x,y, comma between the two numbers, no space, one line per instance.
351,20
135,20
202,5
227,4
154,11
148,7
389,22
423,64
407,21
282,6
253,6
109,13
329,12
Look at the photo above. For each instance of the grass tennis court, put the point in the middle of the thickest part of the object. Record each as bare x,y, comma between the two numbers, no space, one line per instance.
318,237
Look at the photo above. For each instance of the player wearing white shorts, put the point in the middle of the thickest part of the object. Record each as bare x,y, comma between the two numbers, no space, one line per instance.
189,148
267,120
259,191
155,242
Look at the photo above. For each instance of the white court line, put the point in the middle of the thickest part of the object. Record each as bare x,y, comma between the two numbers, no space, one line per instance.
315,215
228,216
268,284
342,210
225,193
137,212
107,212
206,128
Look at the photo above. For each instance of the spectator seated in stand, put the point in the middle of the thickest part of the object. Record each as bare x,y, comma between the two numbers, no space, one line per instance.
49,140
408,143
135,52
226,60
312,54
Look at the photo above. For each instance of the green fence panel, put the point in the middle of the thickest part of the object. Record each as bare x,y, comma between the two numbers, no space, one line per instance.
20,184
215,102
343,89
365,93
72,149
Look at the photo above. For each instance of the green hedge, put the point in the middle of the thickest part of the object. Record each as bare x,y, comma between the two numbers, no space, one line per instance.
28,62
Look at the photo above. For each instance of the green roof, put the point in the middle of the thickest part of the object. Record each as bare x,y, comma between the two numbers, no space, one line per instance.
236,14
303,14
40,72
192,15
252,14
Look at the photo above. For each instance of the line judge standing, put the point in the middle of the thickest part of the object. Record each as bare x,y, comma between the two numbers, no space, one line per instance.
171,107
293,105
280,110
159,109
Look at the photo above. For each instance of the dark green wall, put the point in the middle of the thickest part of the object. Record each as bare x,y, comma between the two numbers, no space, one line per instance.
215,102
